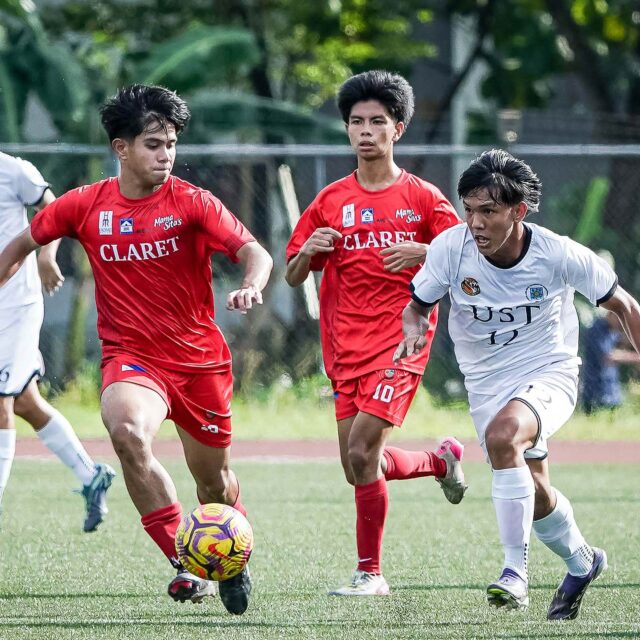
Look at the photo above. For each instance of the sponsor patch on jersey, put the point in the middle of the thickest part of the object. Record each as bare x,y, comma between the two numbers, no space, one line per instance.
105,223
366,215
536,292
389,373
133,367
470,286
408,215
126,225
348,215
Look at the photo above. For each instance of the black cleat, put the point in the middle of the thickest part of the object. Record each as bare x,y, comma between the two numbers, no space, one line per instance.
95,496
185,586
235,592
568,596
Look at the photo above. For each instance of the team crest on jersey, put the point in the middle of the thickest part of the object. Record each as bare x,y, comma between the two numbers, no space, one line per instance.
126,226
366,215
389,373
105,223
470,286
536,292
348,215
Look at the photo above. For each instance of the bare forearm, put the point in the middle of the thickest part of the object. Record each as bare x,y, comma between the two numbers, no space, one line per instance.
627,309
14,254
49,251
415,319
258,265
298,270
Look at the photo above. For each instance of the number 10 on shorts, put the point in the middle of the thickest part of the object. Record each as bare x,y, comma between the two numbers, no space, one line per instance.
383,392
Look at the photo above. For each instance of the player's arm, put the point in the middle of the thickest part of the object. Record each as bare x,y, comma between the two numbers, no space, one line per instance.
14,254
404,255
322,240
415,323
257,268
626,307
48,268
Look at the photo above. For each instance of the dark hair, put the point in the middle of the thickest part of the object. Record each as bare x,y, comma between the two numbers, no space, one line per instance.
508,180
133,108
390,89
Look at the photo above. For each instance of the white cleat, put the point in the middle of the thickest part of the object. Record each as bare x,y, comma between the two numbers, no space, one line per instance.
364,584
453,484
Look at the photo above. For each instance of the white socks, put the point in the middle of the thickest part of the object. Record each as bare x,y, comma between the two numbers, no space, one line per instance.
560,533
60,438
513,498
7,452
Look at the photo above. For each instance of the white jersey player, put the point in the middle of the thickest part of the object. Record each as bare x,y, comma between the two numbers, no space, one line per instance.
515,332
21,314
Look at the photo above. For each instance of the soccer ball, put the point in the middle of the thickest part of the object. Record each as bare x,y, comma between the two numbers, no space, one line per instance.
214,542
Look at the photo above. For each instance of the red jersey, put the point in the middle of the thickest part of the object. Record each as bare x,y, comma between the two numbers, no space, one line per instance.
151,261
361,303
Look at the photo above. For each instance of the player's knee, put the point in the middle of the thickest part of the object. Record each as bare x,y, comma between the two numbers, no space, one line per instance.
130,440
348,474
215,487
6,411
501,436
359,460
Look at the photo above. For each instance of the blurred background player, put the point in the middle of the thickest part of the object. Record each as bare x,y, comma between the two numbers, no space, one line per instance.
605,350
21,314
368,233
149,238
515,331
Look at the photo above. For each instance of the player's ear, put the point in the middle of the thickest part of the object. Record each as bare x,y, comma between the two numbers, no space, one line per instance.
399,127
120,148
520,211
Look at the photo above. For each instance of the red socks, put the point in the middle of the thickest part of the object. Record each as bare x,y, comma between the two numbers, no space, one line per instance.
372,503
404,465
161,525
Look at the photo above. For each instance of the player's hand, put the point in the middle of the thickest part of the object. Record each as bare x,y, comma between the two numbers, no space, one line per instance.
243,299
320,241
409,346
403,255
50,275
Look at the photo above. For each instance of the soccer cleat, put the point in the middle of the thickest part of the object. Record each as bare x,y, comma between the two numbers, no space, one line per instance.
509,591
364,584
453,484
568,596
185,586
235,592
95,496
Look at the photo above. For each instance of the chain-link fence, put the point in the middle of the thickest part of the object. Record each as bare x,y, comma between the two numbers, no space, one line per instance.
589,193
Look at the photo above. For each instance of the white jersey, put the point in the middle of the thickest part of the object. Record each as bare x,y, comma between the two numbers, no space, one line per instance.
507,323
21,185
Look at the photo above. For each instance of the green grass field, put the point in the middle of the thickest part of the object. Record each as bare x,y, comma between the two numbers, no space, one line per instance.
59,583
308,413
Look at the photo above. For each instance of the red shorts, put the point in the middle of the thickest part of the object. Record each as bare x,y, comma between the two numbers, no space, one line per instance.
386,394
199,403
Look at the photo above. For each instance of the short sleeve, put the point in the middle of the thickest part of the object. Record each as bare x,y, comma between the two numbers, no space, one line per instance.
309,221
433,280
443,215
57,219
30,185
588,273
224,232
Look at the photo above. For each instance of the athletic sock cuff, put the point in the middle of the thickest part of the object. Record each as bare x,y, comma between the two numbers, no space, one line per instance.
511,484
162,514
371,490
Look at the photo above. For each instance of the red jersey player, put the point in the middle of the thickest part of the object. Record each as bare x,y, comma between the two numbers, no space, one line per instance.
368,233
149,237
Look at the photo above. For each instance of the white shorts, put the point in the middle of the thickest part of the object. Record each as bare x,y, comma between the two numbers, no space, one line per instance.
551,395
20,358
